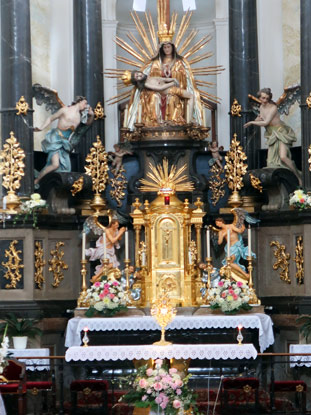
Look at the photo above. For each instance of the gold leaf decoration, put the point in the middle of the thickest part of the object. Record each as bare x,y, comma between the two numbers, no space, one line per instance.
57,265
299,261
39,265
97,166
235,167
282,261
216,184
13,265
11,164
77,186
118,184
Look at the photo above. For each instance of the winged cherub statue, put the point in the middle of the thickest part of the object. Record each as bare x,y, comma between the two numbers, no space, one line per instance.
280,137
72,122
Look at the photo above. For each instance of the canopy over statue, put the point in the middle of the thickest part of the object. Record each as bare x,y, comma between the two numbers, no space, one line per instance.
165,89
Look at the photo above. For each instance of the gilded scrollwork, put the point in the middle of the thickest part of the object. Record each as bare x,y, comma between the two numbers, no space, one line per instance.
236,108
99,111
255,182
118,184
299,261
13,265
282,261
22,106
77,186
56,264
308,100
216,184
39,265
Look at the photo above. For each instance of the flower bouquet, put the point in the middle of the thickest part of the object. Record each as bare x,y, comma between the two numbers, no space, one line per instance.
31,208
229,296
160,389
300,200
4,354
106,297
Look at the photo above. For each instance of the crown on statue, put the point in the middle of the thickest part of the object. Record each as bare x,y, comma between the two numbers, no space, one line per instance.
126,77
164,34
166,30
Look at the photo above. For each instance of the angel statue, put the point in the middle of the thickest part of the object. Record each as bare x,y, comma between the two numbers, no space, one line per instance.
238,250
165,89
72,123
280,137
116,156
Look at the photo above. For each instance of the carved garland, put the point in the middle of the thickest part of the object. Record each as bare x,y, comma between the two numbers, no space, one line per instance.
282,261
57,265
13,265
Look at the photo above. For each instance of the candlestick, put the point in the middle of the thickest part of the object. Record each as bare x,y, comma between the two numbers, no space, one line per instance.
208,242
125,116
126,244
82,302
139,114
83,245
249,234
85,337
228,243
239,336
105,244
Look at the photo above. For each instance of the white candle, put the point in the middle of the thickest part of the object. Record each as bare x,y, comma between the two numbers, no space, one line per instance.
204,118
105,244
249,232
143,259
187,113
139,113
4,203
83,245
190,257
126,244
125,116
228,243
208,242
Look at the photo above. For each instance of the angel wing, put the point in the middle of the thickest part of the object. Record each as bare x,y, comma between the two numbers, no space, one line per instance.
241,215
90,226
290,95
255,104
47,96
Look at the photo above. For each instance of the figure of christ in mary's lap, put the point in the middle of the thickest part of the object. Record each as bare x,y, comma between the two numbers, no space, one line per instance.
59,141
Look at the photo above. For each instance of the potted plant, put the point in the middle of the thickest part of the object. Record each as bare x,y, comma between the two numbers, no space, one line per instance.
20,329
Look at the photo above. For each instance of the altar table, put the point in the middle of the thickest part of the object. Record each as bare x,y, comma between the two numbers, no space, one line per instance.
33,364
259,321
300,360
174,351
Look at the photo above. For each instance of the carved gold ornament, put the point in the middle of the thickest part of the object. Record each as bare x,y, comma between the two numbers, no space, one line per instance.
99,111
165,181
22,106
299,388
299,261
164,312
39,265
247,388
12,169
13,265
282,261
118,184
235,169
97,166
57,265
216,184
308,100
77,186
236,108
255,182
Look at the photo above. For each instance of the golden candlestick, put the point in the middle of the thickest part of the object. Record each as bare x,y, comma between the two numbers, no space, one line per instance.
105,267
225,271
164,312
209,269
81,302
253,297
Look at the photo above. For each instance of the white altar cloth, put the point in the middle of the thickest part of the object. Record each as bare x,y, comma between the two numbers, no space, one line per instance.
259,321
2,407
33,364
177,351
303,360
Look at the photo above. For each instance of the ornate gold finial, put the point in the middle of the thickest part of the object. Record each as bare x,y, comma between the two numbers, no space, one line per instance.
39,265
235,169
236,108
77,186
166,182
13,265
308,100
99,111
216,184
255,182
198,203
282,261
57,265
12,169
164,312
165,33
97,168
300,274
22,106
118,184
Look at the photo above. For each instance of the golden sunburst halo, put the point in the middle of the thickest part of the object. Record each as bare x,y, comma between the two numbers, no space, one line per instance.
166,181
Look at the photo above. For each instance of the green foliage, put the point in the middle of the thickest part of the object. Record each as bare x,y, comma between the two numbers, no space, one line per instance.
305,328
20,326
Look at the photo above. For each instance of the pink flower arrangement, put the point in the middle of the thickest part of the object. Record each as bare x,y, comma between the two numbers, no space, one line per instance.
160,388
229,296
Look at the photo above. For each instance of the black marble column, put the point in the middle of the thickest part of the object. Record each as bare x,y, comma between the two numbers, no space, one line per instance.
88,64
305,65
244,75
16,80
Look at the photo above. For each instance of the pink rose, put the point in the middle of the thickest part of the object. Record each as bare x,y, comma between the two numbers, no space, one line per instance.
172,370
101,295
235,297
158,400
178,391
143,383
176,404
163,405
105,292
223,295
115,283
106,285
111,296
220,284
158,386
239,284
178,382
149,391
149,372
97,284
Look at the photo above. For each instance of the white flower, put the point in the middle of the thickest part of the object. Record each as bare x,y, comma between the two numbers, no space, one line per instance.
99,306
